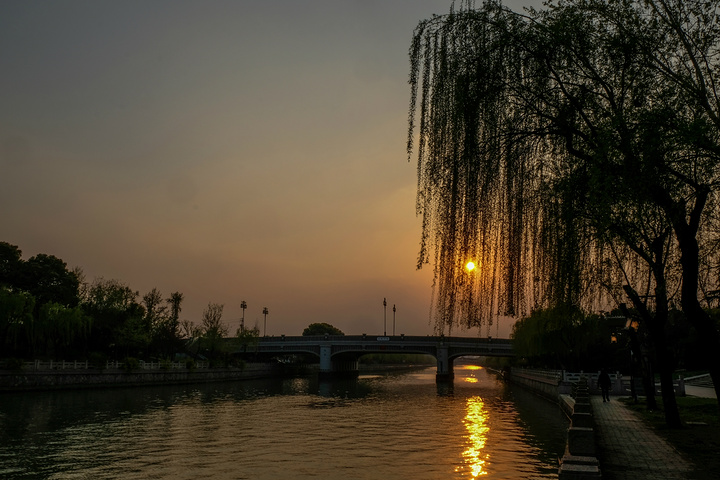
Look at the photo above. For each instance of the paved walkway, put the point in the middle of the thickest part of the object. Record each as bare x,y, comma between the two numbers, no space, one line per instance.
705,392
629,449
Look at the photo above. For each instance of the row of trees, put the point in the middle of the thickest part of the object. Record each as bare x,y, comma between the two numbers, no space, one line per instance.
574,153
569,339
49,311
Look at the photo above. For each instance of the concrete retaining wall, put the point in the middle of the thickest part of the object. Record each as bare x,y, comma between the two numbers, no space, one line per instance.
549,387
60,379
580,459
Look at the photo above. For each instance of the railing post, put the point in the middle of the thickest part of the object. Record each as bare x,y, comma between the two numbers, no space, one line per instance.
681,386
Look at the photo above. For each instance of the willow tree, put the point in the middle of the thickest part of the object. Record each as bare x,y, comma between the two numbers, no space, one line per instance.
494,184
572,152
478,187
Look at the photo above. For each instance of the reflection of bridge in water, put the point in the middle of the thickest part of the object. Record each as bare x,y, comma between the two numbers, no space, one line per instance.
339,354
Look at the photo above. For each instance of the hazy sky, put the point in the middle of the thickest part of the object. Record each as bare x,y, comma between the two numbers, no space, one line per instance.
229,150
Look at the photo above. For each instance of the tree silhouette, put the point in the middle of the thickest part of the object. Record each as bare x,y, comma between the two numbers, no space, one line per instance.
571,152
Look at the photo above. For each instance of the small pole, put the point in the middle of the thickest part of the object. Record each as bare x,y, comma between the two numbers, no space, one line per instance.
393,319
243,305
265,313
384,317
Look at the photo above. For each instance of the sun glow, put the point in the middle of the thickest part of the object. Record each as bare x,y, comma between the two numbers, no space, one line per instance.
470,266
477,428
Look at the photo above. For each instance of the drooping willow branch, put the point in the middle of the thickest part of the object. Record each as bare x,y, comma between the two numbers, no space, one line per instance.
531,133
478,171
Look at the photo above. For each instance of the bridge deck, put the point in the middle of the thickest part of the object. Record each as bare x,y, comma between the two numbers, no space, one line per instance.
361,344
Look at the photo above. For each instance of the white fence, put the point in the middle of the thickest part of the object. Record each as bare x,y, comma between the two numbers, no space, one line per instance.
621,385
37,365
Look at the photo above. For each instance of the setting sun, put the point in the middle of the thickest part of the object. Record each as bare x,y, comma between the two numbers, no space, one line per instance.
470,266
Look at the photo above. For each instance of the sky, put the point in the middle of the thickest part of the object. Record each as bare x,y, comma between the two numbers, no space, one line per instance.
229,150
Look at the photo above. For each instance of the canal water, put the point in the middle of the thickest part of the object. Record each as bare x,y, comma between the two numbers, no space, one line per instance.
387,426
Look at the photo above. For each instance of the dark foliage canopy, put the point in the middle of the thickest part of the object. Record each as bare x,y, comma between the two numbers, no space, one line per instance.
321,329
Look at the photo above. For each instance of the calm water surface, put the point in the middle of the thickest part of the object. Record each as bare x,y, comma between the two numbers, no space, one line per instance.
391,426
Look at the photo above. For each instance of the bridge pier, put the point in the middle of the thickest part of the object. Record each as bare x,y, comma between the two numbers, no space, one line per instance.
325,360
336,367
444,365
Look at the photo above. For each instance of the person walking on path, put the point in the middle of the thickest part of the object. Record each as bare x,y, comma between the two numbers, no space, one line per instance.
604,385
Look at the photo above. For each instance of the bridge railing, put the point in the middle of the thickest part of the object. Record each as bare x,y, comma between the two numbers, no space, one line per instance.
376,338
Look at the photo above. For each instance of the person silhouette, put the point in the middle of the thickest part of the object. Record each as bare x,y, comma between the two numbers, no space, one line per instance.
604,385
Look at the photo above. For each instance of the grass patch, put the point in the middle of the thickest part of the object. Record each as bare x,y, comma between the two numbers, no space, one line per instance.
699,440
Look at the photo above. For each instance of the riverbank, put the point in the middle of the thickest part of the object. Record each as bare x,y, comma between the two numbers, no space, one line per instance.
18,381
71,375
580,460
629,441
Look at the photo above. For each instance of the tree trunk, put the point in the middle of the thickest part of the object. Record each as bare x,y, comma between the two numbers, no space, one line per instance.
648,379
709,339
686,228
709,343
672,415
664,357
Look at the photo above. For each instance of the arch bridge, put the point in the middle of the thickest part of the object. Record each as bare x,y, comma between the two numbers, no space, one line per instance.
339,354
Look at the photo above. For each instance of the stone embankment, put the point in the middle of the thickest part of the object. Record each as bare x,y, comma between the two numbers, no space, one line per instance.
580,460
53,379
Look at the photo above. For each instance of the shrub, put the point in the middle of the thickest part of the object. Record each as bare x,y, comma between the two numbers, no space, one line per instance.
130,364
13,364
98,360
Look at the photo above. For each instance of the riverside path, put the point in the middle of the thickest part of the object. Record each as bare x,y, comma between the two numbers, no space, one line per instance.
630,450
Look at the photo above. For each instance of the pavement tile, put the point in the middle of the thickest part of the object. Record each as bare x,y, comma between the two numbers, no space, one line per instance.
628,449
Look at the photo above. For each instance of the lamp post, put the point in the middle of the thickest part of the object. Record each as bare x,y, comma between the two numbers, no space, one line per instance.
243,305
631,326
630,329
265,314
393,319
384,317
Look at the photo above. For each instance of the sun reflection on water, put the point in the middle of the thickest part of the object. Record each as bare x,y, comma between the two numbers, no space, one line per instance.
471,378
476,424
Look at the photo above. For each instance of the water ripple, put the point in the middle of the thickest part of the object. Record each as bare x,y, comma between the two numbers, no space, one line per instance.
398,426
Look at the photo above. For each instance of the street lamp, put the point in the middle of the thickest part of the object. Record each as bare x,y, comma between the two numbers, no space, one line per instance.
384,317
265,313
243,305
393,319
631,328
632,323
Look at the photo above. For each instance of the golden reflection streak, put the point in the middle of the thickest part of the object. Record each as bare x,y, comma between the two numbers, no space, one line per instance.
471,379
476,425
